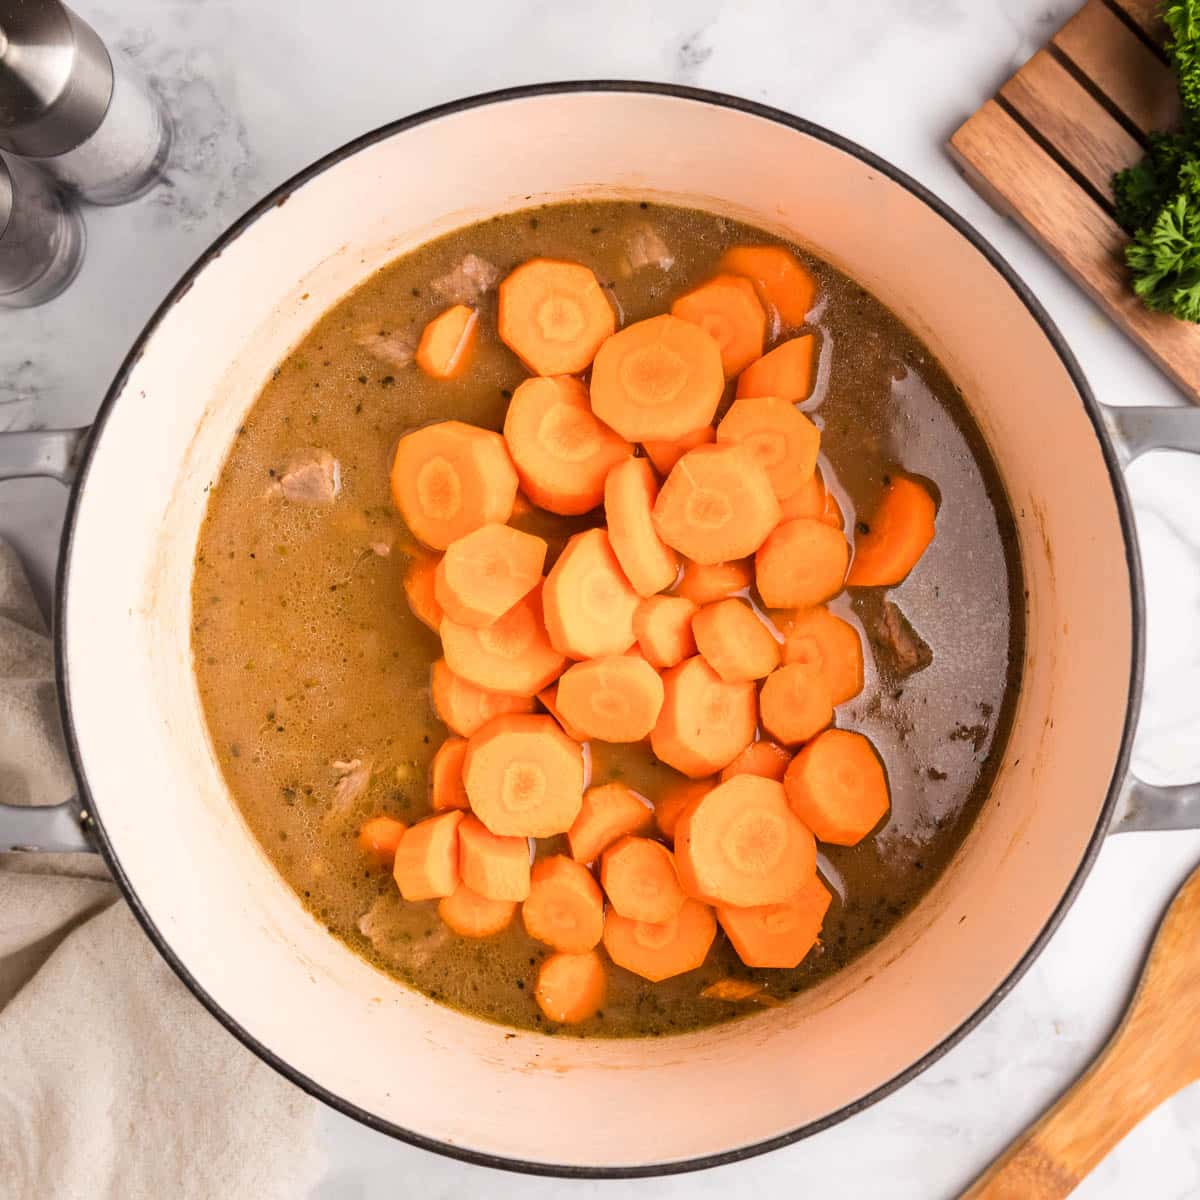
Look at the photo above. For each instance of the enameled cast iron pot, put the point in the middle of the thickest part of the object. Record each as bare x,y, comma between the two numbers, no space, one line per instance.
234,931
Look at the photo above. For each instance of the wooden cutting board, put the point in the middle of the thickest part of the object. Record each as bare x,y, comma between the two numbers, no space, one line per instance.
1044,149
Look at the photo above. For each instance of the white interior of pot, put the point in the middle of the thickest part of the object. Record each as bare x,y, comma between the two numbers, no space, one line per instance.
233,923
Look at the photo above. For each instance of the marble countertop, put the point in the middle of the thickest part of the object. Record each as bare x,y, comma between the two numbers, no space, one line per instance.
259,89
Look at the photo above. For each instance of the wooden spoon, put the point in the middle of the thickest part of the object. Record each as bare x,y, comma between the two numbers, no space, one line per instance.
1154,1052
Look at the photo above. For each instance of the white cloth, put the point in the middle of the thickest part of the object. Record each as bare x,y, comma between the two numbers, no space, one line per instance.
114,1081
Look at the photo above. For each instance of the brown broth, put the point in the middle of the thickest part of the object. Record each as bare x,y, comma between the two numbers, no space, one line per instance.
306,653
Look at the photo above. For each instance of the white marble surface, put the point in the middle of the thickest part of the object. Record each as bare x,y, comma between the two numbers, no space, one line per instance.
260,88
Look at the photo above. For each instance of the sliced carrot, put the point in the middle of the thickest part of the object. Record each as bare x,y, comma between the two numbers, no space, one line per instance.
549,701
464,707
490,865
445,776
450,478
733,991
609,812
783,281
639,878
554,316
803,562
815,635
716,505
380,836
705,722
613,699
779,435
734,642
837,786
728,308
778,935
764,758
670,803
658,951
471,915
589,602
795,703
570,987
426,865
663,627
446,342
561,451
785,372
898,533
419,588
658,379
524,777
665,454
629,495
565,908
513,655
741,844
485,572
702,583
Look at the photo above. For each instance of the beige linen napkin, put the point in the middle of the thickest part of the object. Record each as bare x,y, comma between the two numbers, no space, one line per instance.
114,1081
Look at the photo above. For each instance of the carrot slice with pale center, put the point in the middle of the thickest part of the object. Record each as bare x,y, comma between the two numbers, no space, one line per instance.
484,573
728,308
661,950
609,812
589,603
614,699
705,722
450,478
512,655
663,627
524,776
838,787
795,703
563,454
734,641
716,505
783,440
554,316
741,844
778,935
570,988
658,379
801,563
464,707
471,915
639,878
815,635
784,283
565,908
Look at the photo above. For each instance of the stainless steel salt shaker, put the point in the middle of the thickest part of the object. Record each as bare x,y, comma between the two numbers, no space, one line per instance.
83,114
41,236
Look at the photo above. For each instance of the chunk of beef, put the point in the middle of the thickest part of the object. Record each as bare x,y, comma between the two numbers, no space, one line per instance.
352,780
645,248
400,933
311,477
392,349
900,650
467,281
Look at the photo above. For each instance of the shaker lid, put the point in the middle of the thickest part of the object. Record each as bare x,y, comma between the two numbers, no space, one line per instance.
56,78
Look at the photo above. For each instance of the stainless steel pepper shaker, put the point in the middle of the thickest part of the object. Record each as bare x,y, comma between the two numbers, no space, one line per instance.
41,236
83,114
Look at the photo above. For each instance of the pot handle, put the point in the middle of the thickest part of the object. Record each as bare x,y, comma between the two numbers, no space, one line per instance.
53,452
59,827
1133,432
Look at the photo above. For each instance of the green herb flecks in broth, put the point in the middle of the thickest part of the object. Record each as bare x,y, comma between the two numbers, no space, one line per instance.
314,674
